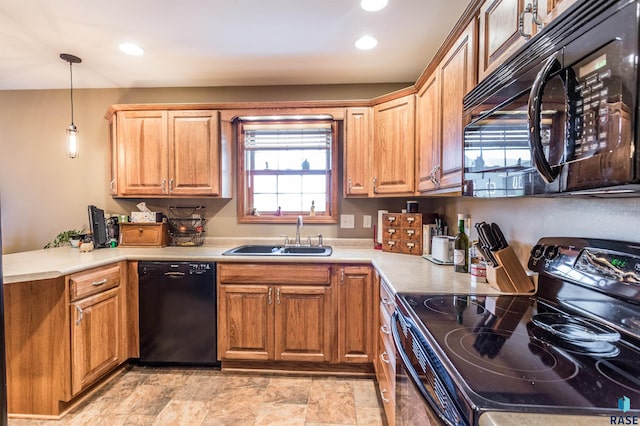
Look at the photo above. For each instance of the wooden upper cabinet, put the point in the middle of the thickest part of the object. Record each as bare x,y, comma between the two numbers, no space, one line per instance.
457,78
440,126
428,140
548,10
357,146
393,148
499,34
166,153
194,153
142,152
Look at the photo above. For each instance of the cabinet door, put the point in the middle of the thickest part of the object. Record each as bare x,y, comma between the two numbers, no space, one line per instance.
142,152
302,323
357,143
548,10
113,155
194,149
428,134
457,77
95,337
355,315
394,146
499,33
245,322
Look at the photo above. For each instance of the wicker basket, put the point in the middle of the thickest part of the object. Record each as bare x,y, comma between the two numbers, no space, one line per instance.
186,226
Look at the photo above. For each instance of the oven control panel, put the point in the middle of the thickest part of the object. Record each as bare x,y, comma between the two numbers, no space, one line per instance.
610,266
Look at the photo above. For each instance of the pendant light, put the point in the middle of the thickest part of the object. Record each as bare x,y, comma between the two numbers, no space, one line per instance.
72,130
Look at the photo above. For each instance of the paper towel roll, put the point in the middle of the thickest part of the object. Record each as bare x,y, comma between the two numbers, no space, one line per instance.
379,230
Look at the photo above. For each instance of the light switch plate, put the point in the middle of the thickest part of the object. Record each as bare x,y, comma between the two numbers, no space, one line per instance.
366,221
347,221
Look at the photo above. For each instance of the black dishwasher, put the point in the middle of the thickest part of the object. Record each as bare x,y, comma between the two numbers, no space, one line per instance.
177,302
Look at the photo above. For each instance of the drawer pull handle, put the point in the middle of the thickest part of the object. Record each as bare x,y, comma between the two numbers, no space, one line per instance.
386,301
97,283
385,358
80,315
385,329
385,400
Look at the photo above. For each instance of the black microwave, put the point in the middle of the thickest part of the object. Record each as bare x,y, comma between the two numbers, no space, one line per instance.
560,117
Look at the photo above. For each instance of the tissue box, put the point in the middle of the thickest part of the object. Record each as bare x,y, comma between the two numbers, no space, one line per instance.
146,217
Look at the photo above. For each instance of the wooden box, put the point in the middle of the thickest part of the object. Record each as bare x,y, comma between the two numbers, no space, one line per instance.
402,233
144,234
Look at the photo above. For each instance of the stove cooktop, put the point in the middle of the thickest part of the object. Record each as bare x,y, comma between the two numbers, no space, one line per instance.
506,351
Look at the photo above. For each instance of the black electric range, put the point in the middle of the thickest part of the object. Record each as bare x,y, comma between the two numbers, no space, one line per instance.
572,348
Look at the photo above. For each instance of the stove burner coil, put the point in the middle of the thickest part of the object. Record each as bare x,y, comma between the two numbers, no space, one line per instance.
575,329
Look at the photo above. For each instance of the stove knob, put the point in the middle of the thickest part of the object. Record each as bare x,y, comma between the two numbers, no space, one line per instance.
537,251
551,252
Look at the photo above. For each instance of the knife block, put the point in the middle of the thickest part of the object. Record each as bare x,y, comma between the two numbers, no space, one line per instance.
509,276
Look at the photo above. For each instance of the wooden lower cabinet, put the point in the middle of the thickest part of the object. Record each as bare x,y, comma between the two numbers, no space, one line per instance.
385,362
302,323
274,312
62,335
300,313
355,315
95,338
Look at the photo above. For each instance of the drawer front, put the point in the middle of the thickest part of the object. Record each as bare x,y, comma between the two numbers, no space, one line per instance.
255,273
392,246
143,234
94,281
386,301
411,220
386,383
389,233
413,234
392,219
411,247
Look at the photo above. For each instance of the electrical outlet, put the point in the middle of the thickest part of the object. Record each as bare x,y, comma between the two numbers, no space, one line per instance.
366,221
347,221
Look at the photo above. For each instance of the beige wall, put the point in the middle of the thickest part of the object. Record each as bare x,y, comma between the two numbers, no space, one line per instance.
43,192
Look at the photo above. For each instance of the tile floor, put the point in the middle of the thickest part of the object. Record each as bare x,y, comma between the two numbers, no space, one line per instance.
193,396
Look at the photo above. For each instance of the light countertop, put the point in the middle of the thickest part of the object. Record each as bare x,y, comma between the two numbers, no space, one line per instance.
405,273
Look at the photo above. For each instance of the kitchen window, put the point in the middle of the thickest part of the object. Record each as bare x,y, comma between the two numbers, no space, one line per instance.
286,169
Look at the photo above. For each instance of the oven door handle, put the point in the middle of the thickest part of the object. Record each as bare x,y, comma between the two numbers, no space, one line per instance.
548,173
411,372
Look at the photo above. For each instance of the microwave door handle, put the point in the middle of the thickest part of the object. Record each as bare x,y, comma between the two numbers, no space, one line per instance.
411,372
535,118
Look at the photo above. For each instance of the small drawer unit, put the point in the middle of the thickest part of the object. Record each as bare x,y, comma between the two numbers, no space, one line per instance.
144,234
402,233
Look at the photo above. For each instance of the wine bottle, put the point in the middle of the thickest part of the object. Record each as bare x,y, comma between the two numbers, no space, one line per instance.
461,248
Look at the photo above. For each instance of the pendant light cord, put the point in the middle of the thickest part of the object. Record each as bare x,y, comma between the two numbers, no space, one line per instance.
71,75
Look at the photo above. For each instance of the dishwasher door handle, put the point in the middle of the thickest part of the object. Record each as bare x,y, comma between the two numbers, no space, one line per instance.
174,274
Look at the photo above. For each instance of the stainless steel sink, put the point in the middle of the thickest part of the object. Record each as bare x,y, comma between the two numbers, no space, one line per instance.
273,250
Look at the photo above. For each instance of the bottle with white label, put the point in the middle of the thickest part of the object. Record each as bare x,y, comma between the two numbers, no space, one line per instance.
461,248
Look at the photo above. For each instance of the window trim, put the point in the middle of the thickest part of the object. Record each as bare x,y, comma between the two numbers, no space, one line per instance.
330,217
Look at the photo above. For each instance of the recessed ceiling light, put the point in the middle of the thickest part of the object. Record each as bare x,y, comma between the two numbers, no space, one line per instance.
131,49
373,5
366,43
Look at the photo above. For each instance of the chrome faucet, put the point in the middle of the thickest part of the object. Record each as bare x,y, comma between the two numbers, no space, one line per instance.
299,225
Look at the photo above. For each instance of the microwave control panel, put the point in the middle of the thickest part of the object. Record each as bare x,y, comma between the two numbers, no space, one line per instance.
596,102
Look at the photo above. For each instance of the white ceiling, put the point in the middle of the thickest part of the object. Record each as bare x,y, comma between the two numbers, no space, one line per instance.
217,43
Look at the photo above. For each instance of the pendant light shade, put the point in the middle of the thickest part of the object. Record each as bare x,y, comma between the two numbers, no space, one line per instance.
72,130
